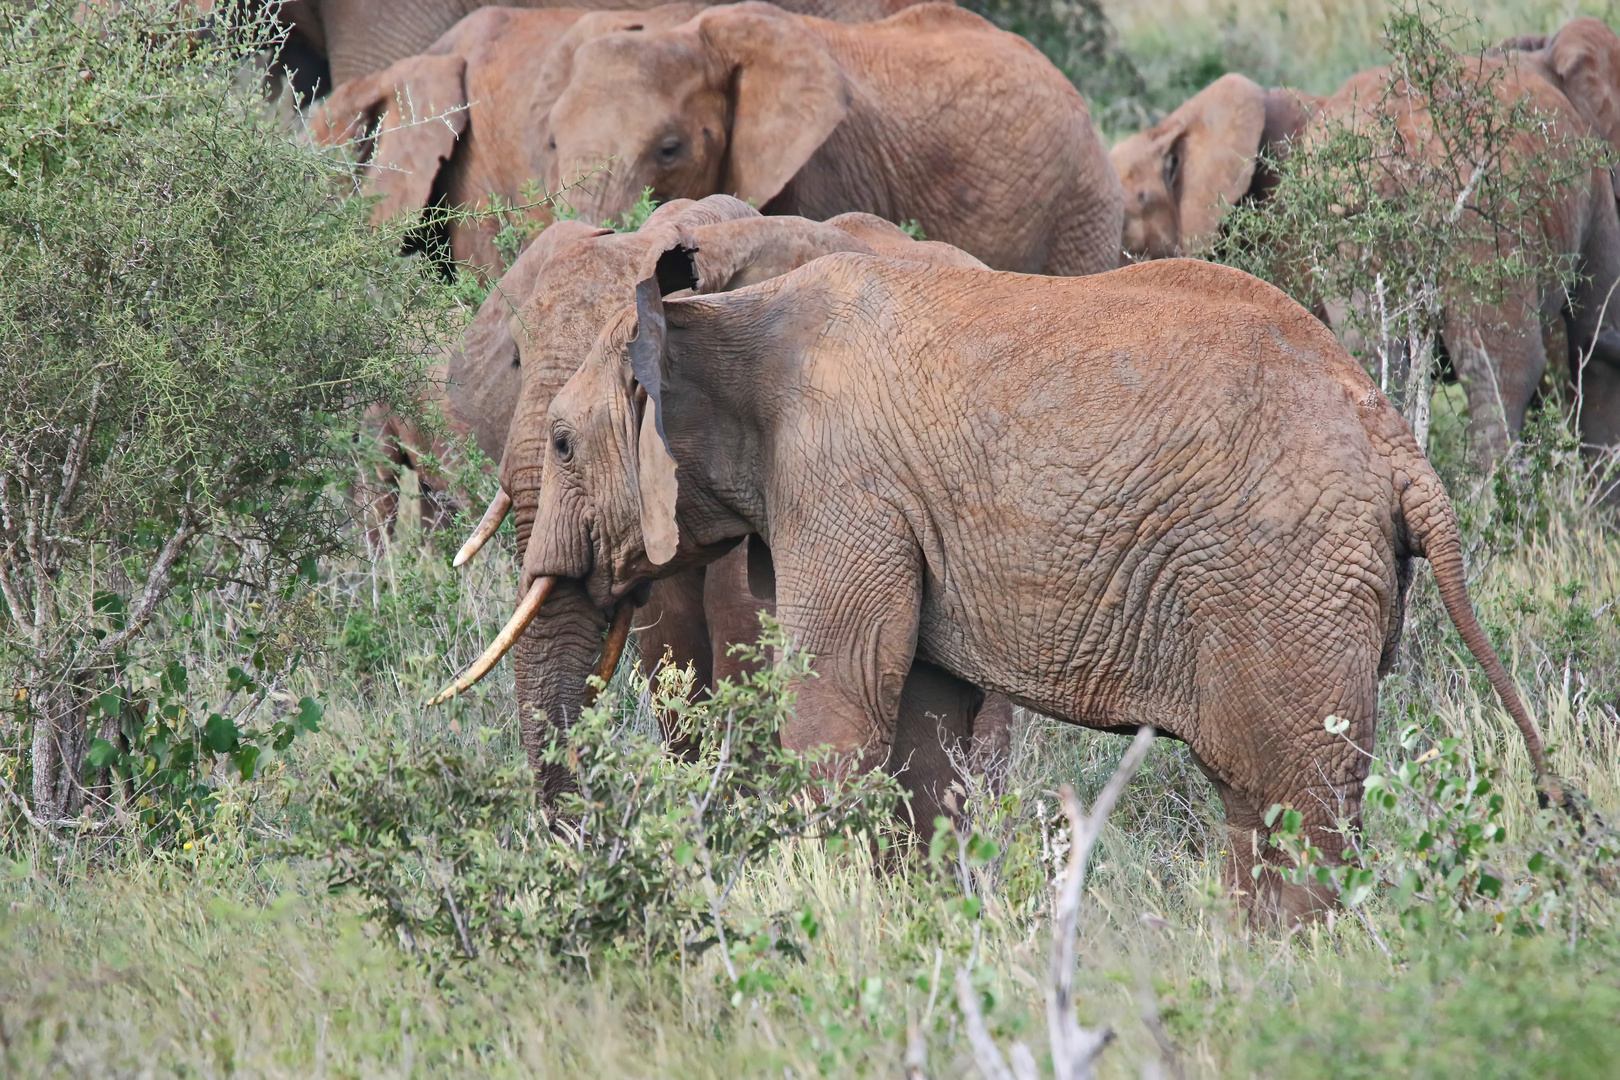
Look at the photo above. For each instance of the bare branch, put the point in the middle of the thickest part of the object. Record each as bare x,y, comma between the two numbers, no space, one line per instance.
157,587
985,1054
1074,1048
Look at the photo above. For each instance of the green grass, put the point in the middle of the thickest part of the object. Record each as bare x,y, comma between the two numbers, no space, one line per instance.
228,958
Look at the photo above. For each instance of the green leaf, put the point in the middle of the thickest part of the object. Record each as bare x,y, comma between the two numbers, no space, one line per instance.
220,734
111,605
309,715
684,853
175,680
101,754
247,760
980,850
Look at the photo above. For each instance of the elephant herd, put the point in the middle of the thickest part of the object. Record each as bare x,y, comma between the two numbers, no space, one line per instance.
986,468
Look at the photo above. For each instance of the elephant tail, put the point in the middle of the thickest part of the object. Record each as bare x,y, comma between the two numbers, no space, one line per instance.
1431,527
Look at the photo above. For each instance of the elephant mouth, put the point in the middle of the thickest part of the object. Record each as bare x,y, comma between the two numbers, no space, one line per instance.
528,609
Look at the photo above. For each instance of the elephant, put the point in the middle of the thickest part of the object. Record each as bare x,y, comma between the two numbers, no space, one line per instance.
1181,175
932,115
330,42
1163,496
1497,351
565,287
465,120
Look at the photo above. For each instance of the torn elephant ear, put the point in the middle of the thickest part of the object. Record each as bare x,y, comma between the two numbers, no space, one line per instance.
655,466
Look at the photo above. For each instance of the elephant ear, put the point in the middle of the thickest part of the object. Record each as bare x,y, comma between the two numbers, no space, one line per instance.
1211,156
787,95
891,241
656,485
408,118
1585,57
729,255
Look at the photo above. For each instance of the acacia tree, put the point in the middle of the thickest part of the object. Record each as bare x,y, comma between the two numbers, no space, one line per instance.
193,316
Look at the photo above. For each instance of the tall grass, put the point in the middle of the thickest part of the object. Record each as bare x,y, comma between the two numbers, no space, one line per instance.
220,956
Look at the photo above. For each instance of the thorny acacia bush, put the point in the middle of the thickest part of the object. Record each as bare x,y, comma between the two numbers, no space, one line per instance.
1427,201
192,321
454,853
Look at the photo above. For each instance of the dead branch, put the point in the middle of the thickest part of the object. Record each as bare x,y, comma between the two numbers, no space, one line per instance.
1074,1048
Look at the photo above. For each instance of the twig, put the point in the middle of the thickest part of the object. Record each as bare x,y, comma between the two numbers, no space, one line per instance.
157,587
985,1054
1074,1048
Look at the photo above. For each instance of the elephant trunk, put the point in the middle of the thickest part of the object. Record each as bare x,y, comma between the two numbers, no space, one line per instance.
552,662
603,193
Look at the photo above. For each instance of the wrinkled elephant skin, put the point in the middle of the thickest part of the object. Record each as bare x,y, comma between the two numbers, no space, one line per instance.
552,304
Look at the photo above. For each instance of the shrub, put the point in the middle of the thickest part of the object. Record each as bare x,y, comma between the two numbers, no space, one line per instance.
456,855
1365,217
192,321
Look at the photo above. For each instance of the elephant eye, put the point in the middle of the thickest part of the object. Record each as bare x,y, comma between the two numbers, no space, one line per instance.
564,446
551,143
670,148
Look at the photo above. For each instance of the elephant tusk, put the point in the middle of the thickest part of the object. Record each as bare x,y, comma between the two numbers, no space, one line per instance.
499,507
520,620
613,647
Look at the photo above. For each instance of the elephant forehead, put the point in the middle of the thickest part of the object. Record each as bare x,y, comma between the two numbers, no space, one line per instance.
611,57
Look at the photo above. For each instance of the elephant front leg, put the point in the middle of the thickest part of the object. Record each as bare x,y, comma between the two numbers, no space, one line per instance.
855,610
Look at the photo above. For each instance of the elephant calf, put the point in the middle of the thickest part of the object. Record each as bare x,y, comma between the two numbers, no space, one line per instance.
1164,495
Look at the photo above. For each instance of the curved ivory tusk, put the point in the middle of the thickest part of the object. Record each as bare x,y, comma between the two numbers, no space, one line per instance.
520,620
499,507
612,647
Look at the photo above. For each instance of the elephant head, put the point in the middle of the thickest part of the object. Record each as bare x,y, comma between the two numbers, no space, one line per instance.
1582,60
735,100
466,119
1181,175
710,246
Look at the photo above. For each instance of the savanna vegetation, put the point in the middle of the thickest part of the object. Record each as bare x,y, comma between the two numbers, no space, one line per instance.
236,841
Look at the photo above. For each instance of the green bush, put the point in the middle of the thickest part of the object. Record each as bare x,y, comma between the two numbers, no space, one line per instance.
193,320
454,853
1400,231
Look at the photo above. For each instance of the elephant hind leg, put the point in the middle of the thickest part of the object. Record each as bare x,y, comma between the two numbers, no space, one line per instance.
931,739
1263,740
